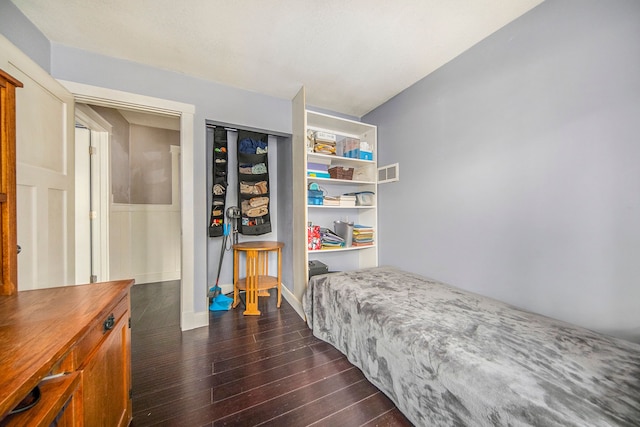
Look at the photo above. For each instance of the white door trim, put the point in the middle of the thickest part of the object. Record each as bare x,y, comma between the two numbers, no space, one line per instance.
87,94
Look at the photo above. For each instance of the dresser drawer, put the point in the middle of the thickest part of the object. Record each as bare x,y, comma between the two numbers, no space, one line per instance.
99,331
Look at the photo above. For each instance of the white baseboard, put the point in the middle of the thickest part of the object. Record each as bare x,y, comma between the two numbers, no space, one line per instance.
192,320
227,288
293,301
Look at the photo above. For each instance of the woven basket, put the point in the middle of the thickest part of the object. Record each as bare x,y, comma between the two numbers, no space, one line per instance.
340,172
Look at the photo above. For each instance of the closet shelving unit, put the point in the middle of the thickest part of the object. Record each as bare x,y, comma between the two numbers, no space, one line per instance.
304,120
364,179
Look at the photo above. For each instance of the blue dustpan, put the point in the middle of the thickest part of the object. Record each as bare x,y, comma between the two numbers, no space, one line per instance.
221,303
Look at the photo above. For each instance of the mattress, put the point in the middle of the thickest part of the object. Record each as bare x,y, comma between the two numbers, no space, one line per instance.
448,357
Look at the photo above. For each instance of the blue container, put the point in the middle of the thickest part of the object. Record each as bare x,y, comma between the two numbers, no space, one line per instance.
366,155
314,197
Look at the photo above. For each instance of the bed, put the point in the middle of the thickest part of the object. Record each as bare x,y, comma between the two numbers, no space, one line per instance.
448,357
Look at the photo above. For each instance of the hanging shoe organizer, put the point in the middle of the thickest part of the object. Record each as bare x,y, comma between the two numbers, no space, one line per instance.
253,183
219,187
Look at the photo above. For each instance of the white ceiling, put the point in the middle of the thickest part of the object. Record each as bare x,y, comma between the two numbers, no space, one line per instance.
351,55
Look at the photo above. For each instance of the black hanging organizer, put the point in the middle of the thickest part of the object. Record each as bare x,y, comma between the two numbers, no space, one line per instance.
219,186
253,183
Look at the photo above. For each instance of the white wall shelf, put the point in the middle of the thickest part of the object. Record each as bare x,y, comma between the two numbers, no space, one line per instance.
365,176
339,207
351,248
338,181
339,160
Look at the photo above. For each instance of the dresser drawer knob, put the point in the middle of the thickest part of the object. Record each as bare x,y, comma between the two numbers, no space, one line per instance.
109,324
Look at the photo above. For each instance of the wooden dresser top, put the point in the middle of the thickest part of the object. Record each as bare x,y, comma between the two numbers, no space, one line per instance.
38,327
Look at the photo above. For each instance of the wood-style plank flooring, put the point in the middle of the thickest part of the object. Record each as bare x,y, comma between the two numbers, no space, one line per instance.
243,370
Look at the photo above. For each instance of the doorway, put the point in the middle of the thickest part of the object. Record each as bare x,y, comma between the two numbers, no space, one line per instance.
191,196
140,198
139,203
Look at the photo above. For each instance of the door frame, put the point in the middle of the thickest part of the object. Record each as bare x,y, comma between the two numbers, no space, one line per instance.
111,98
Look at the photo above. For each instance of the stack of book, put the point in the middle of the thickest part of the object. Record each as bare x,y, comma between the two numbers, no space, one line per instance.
346,200
330,240
362,235
331,200
317,170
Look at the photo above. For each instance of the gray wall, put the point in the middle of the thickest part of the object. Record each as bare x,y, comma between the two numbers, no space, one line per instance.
140,160
22,33
120,148
519,167
151,167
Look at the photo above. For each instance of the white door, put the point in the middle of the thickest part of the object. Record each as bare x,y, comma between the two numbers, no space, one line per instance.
45,173
92,194
83,205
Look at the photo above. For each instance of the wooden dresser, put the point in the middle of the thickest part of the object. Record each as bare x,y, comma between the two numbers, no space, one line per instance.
81,336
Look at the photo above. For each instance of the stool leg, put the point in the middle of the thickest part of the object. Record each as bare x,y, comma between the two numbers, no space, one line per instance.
263,270
279,253
252,284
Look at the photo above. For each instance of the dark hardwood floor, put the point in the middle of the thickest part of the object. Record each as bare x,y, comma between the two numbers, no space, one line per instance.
245,371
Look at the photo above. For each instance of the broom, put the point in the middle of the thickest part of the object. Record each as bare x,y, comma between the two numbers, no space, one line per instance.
220,302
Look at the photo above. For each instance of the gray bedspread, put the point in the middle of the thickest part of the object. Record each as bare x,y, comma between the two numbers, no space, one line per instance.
448,357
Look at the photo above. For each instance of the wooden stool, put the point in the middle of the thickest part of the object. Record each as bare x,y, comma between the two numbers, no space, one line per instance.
257,279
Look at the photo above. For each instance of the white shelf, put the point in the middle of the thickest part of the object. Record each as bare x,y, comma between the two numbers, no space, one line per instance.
339,181
339,207
333,124
339,159
350,248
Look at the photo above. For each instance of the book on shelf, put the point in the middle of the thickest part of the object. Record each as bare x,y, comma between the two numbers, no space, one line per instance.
362,235
318,174
331,201
318,170
330,240
347,200
320,167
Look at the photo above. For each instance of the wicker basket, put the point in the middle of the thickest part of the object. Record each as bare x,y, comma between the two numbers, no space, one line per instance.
339,172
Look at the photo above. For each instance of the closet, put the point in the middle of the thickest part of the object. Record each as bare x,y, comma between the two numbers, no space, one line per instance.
240,177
